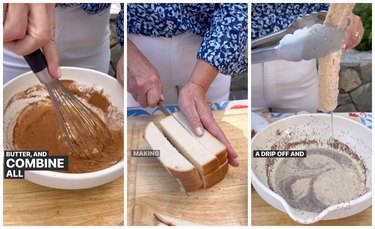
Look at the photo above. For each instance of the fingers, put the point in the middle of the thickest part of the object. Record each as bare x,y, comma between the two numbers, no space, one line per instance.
39,23
153,97
143,78
50,49
120,70
148,95
354,32
187,106
142,99
52,57
5,10
38,32
15,21
210,124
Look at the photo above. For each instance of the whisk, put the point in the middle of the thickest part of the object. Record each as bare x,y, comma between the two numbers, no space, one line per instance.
86,134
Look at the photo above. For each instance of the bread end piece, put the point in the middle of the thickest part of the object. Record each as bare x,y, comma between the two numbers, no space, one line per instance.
170,221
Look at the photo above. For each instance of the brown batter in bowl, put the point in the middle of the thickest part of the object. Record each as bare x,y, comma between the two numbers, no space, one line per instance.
37,128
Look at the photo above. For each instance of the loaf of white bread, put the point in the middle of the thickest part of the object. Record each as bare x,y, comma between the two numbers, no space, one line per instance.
196,162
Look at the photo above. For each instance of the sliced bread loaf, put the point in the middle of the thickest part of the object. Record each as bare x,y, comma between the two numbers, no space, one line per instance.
173,161
198,162
188,146
212,144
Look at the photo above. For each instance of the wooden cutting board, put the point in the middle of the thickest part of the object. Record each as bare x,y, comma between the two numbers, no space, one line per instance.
28,204
263,214
152,189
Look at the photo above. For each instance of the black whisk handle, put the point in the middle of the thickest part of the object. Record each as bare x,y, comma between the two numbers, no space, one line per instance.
36,61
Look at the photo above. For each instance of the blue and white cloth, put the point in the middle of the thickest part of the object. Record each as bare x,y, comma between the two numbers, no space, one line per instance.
227,105
267,18
222,26
97,8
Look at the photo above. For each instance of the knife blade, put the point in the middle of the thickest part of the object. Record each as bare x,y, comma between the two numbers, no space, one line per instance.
178,116
164,110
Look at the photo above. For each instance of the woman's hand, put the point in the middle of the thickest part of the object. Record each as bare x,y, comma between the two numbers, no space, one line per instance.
193,104
354,32
120,70
28,27
143,79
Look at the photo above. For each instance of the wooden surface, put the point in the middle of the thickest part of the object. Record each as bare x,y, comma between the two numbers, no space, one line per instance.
29,204
263,214
152,189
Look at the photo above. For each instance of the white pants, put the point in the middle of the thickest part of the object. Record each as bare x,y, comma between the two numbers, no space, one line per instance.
284,86
82,41
175,58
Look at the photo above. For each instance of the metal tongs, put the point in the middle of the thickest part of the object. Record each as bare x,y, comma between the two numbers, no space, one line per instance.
306,38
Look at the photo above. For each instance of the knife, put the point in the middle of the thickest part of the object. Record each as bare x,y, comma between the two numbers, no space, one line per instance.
178,116
304,44
164,110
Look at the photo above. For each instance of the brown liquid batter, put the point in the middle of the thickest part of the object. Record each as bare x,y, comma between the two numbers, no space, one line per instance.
324,178
37,128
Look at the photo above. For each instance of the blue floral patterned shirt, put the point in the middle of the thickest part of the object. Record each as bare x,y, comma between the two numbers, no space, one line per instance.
222,26
95,8
267,18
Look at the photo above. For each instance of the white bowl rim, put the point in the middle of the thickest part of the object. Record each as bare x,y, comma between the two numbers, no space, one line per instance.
63,67
286,206
79,176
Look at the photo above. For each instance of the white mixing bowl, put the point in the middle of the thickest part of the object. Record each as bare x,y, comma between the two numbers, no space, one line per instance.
313,127
85,77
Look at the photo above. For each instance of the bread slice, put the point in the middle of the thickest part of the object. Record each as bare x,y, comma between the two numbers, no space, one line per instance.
172,160
212,144
217,176
188,146
189,187
170,221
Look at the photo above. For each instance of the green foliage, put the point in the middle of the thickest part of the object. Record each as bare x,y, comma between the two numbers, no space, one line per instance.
364,10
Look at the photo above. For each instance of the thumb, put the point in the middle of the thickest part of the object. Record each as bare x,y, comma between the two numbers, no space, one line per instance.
52,57
50,49
155,95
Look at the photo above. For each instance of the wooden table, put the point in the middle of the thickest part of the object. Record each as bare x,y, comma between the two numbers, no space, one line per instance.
152,189
28,204
263,214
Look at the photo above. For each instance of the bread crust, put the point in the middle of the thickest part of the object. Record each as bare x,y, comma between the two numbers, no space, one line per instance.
216,176
329,65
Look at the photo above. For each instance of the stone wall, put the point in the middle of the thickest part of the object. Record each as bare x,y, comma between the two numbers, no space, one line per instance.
355,82
116,49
